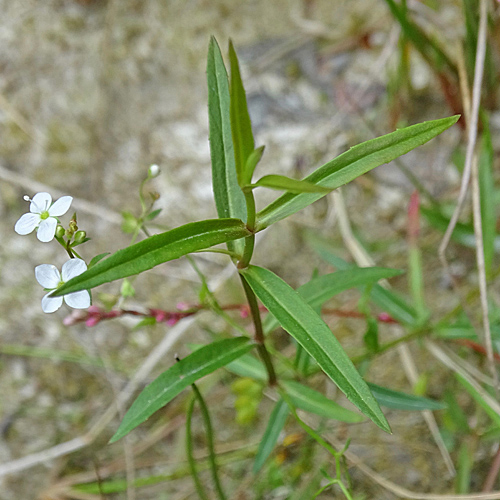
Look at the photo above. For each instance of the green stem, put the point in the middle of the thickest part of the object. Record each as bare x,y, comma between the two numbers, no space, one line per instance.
309,430
393,343
249,240
189,452
251,213
210,441
259,331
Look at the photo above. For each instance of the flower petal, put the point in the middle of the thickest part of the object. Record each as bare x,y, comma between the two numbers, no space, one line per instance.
26,223
40,203
61,206
78,300
72,268
48,276
51,304
47,229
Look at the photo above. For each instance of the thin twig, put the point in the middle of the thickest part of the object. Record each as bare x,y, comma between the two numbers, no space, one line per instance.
492,473
472,132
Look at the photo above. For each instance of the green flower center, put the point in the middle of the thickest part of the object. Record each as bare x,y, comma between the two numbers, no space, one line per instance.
44,215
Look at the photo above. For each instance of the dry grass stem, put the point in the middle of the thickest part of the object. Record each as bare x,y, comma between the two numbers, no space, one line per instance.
363,259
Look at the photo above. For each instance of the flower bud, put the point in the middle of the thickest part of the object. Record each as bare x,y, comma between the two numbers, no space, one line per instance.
154,171
80,236
60,232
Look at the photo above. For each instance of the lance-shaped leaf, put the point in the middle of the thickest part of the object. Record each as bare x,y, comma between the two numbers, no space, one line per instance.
179,376
301,321
155,250
308,399
229,198
252,162
283,183
271,434
241,127
402,401
355,162
317,291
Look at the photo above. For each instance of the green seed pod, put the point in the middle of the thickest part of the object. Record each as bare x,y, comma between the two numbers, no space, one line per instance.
60,232
80,236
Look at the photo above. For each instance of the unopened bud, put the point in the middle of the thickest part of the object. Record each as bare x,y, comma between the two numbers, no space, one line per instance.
154,171
80,236
60,232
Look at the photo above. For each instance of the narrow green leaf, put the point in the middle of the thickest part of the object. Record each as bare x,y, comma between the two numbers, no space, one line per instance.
241,127
464,469
389,301
397,307
402,401
463,233
248,366
229,198
353,163
179,376
317,291
156,250
308,399
151,216
482,398
271,434
97,258
301,321
487,202
428,48
252,162
283,183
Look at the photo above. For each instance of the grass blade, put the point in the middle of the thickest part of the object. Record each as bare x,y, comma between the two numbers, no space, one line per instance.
402,401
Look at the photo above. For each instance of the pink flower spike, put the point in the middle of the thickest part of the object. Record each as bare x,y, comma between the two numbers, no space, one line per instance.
172,320
94,310
158,315
92,321
183,306
385,318
74,317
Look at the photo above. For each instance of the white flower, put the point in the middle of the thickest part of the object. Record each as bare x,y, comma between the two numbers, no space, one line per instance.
154,171
43,215
50,278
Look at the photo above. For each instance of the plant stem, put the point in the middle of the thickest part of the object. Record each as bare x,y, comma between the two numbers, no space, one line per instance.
210,441
249,240
259,332
189,452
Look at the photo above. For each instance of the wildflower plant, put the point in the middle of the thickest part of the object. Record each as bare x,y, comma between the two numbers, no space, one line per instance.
234,157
